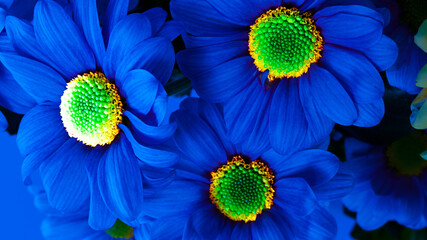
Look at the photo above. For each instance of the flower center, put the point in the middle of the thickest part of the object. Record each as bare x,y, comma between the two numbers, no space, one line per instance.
413,13
242,190
91,109
120,230
404,156
284,42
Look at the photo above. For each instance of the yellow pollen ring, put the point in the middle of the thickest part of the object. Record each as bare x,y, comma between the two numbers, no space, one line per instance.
284,42
242,190
91,109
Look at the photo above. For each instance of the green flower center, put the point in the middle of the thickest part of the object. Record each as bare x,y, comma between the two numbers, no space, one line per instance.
91,109
404,156
120,230
284,42
242,190
413,13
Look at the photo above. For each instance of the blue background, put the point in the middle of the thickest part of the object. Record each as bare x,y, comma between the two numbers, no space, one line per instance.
20,219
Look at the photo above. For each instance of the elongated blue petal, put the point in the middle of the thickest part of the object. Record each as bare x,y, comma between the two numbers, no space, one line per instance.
155,55
120,180
151,156
139,88
288,125
61,39
38,80
337,105
350,26
125,35
86,17
295,196
40,134
64,176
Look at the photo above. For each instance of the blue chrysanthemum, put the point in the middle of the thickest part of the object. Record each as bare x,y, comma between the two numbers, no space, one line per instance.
72,226
405,18
241,191
95,95
390,182
291,68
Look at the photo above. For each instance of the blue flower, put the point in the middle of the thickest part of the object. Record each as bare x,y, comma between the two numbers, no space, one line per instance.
286,204
72,226
405,18
293,90
390,182
97,103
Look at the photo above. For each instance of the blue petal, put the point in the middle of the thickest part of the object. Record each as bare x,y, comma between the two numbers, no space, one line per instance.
319,125
382,182
374,212
61,39
86,17
351,26
214,116
241,231
158,112
41,132
139,89
195,138
24,41
205,41
370,114
346,66
155,55
148,134
37,79
311,5
116,11
6,3
171,30
64,176
315,166
12,96
383,54
200,18
245,12
65,228
267,227
120,181
150,155
330,97
100,217
411,59
288,124
194,61
408,201
246,117
126,34
319,225
3,15
295,196
3,122
171,227
338,187
180,198
221,82
205,223
157,17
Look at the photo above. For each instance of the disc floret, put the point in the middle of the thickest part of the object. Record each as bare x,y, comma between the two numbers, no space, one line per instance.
404,155
91,109
120,230
285,42
242,190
